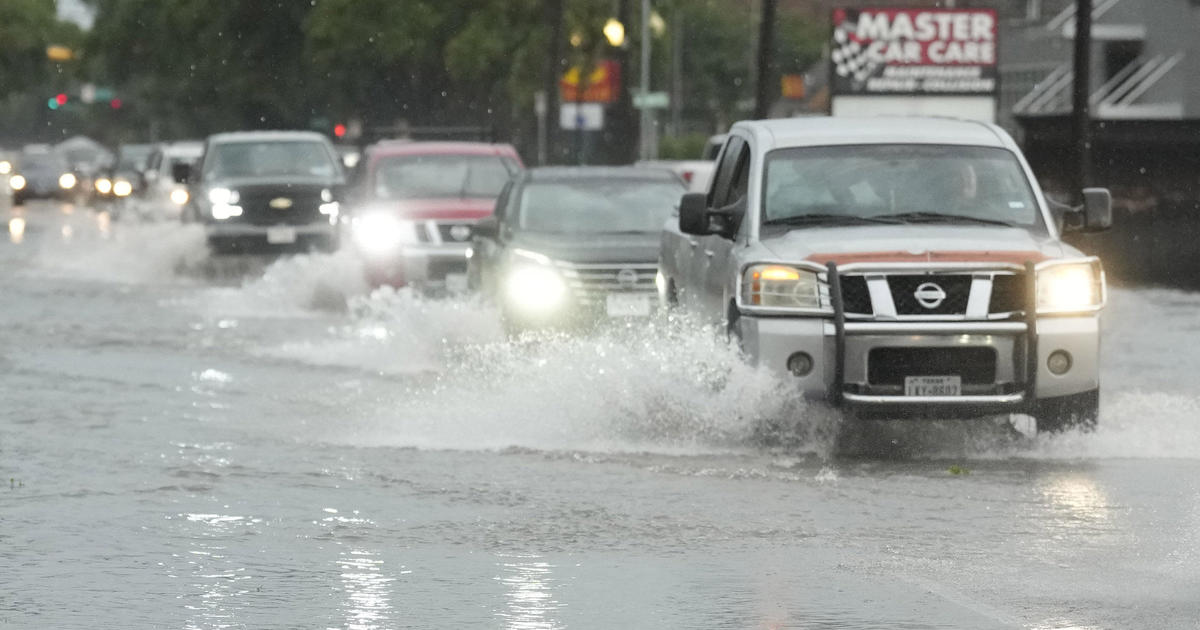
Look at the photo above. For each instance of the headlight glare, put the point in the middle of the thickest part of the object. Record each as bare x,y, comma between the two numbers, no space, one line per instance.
780,286
534,288
5,167
179,196
223,196
381,232
66,181
1070,287
122,188
104,185
17,182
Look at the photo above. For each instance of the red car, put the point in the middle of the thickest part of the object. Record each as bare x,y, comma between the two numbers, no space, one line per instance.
416,204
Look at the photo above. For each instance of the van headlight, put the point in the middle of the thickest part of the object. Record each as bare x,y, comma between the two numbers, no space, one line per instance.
532,284
1070,287
383,232
781,286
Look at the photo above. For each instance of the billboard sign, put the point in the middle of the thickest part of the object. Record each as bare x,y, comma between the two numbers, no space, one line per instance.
914,52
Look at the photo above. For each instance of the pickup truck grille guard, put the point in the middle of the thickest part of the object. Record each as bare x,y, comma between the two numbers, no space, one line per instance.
1020,322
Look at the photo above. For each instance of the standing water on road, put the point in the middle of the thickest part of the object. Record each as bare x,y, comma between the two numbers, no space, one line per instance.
203,443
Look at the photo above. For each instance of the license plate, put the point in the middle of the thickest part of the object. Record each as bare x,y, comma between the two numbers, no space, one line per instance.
628,305
456,282
281,235
932,386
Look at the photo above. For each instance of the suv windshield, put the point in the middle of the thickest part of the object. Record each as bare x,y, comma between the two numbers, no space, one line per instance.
287,158
133,158
898,183
598,205
440,176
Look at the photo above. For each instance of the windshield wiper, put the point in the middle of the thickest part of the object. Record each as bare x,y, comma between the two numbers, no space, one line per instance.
830,219
941,217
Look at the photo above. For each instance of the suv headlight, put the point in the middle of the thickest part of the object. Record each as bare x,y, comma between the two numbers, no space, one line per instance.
1070,287
781,286
531,282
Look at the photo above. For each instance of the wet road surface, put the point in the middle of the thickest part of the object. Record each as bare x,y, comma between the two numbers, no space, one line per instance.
189,443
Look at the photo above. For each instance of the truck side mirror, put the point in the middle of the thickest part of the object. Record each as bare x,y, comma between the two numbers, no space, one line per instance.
181,172
693,214
488,227
1097,209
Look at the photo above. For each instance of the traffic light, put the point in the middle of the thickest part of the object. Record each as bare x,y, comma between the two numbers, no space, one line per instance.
56,101
339,130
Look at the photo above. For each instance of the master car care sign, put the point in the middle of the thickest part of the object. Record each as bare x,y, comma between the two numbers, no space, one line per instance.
914,52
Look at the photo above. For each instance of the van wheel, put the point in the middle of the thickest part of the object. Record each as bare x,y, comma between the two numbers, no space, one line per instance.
1079,411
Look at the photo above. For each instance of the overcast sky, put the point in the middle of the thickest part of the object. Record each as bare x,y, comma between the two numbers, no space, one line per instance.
75,11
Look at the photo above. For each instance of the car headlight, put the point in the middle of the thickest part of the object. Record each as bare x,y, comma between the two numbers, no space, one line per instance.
1070,287
383,232
532,284
66,181
781,286
104,185
17,182
223,196
179,196
122,188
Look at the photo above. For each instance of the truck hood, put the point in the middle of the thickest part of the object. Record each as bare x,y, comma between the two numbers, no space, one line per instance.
466,209
632,248
914,243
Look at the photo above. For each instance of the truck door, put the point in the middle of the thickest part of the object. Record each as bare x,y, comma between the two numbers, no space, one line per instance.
714,255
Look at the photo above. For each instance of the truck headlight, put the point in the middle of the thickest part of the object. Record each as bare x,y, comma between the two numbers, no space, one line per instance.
1070,287
780,286
531,282
382,232
223,196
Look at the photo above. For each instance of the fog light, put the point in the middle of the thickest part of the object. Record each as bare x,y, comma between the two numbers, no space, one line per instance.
1059,362
800,364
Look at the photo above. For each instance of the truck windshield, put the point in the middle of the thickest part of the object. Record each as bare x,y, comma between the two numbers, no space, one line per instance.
598,205
898,183
275,158
441,176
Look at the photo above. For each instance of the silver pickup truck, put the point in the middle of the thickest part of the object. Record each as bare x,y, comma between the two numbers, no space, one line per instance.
895,267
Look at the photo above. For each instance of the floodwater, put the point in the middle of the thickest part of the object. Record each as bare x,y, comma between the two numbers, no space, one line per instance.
190,443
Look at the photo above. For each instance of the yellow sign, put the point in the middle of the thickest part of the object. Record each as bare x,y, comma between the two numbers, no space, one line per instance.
59,53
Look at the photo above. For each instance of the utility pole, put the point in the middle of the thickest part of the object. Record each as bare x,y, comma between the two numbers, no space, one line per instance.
766,53
1081,110
646,126
553,70
624,144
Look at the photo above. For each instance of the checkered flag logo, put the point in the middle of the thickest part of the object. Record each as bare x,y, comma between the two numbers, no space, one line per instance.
849,57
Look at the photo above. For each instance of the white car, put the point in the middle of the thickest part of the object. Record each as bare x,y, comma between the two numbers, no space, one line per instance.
895,267
164,196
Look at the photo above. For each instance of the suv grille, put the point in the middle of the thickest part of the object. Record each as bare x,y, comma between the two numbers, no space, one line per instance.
889,366
590,283
1008,294
303,209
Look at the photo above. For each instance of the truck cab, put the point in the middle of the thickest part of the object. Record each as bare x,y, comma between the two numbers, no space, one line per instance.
895,267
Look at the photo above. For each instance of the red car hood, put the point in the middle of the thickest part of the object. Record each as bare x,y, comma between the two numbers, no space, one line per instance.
439,209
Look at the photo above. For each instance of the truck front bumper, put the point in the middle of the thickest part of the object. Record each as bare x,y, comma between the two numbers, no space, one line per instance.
1003,368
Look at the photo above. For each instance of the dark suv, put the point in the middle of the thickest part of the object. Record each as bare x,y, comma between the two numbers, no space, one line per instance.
267,191
574,246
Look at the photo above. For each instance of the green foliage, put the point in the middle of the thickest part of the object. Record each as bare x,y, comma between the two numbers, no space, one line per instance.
26,28
689,146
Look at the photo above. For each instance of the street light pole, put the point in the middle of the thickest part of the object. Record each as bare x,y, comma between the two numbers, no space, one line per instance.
766,53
